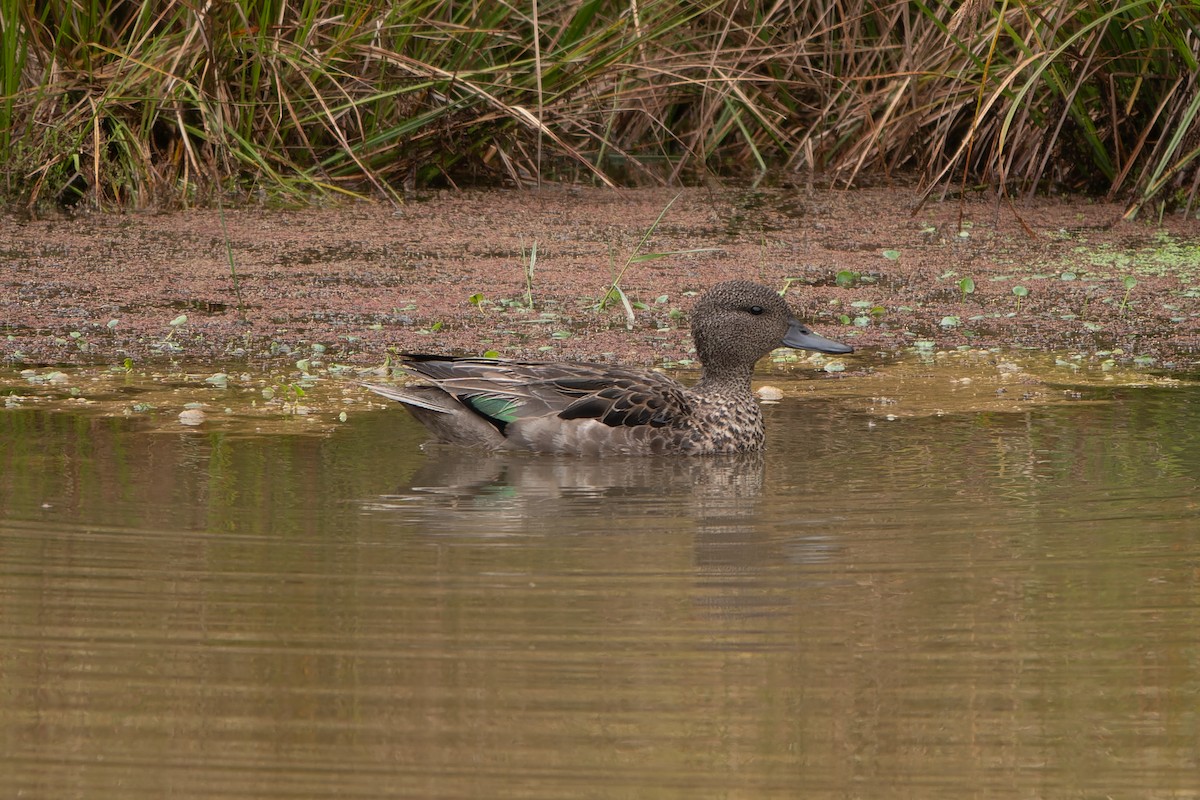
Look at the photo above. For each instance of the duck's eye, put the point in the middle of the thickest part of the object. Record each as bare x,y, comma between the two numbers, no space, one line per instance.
755,310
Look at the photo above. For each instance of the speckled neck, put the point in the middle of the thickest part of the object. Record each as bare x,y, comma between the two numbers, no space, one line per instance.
728,381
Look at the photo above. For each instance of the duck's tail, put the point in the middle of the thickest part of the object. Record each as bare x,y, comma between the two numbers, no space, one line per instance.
436,400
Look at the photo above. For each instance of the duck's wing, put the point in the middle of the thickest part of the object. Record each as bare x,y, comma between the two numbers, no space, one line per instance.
505,392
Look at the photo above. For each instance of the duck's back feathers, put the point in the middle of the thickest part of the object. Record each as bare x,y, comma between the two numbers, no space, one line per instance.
544,406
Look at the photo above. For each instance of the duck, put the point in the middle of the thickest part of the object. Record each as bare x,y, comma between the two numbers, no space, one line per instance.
585,408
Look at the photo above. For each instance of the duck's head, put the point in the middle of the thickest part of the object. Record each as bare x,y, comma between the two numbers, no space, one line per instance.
736,323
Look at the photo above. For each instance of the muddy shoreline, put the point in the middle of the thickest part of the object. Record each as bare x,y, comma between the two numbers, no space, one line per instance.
447,273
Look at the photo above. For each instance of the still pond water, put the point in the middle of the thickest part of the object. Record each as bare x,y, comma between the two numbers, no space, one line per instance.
907,596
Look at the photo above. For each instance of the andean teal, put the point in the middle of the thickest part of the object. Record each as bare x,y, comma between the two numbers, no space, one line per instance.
586,408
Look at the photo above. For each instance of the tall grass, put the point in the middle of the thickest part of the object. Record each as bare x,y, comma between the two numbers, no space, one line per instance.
144,102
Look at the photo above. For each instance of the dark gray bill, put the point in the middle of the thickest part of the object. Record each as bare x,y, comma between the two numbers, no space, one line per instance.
801,337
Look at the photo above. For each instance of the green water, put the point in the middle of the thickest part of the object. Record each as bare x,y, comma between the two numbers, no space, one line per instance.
977,603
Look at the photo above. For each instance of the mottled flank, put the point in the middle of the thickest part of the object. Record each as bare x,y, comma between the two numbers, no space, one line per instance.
594,409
